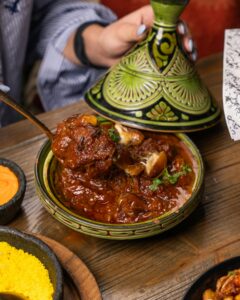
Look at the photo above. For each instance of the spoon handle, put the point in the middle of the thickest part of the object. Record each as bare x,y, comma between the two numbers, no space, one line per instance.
5,98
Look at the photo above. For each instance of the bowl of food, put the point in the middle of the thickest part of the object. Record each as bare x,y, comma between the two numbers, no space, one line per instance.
28,267
12,190
221,282
115,182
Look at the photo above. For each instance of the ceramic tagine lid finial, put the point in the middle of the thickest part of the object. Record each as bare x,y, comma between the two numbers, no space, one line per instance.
155,86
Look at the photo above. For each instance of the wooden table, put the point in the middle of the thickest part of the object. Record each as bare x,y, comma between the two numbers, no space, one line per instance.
164,266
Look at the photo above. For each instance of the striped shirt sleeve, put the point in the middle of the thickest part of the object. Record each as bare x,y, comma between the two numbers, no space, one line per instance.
1,73
61,82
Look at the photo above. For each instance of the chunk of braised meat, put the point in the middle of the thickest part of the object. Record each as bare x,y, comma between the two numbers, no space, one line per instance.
151,156
149,146
137,153
124,162
80,144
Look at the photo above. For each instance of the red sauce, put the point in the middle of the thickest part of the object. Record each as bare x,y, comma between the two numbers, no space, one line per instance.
111,195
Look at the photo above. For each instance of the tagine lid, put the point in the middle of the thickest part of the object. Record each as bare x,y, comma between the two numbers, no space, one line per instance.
155,86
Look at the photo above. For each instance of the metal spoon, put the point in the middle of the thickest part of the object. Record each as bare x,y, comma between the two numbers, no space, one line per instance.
5,98
10,297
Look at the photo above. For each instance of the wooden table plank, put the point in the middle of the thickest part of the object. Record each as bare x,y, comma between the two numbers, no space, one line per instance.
161,267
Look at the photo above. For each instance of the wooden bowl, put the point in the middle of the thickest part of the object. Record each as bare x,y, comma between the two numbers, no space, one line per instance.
40,250
9,210
209,278
44,169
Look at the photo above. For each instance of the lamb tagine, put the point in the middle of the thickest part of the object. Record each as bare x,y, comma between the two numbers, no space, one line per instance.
114,174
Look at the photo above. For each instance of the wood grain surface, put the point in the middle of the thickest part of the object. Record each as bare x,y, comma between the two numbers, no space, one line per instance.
79,282
164,266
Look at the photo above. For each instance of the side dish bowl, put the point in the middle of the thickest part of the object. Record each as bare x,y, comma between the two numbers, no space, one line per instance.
208,279
44,169
11,208
41,251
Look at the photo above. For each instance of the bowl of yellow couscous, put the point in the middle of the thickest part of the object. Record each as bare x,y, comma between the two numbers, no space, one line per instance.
28,267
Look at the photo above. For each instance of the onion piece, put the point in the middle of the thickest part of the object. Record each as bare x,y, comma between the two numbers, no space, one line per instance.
129,136
155,163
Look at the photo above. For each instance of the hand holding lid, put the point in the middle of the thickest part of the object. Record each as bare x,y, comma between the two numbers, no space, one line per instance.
155,86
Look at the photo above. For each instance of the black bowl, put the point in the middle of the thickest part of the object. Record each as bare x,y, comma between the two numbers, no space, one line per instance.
10,209
209,278
41,251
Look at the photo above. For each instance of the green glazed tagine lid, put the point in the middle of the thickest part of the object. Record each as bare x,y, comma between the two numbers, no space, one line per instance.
155,86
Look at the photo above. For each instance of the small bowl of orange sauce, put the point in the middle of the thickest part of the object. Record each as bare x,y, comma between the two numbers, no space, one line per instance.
12,190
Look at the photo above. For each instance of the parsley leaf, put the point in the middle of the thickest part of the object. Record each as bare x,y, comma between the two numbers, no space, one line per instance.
114,136
230,273
156,182
165,177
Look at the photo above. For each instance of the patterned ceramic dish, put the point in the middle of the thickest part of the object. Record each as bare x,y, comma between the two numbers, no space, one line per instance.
40,250
11,208
209,278
44,169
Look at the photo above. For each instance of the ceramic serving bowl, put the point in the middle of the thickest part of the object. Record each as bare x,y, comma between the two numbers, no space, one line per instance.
44,169
209,278
9,210
40,250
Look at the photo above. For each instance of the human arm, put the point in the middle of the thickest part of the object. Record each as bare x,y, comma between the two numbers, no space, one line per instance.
114,40
60,81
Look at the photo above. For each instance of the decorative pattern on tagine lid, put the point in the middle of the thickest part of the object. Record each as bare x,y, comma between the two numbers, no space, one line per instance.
155,86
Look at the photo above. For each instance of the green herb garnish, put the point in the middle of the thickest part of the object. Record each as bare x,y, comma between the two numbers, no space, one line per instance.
114,136
230,273
165,177
102,120
156,182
